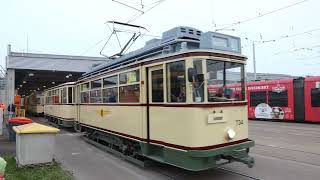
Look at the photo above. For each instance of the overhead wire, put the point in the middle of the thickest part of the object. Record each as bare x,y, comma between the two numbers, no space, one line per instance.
262,15
127,5
156,3
144,12
284,37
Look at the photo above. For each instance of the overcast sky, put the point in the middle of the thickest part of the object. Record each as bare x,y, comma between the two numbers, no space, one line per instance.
73,27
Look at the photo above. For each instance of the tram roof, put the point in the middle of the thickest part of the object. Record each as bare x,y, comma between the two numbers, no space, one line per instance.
61,85
178,39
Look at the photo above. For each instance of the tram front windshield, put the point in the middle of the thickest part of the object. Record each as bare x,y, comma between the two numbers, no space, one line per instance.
225,81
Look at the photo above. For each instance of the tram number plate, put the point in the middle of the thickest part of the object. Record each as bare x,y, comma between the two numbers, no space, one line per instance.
239,122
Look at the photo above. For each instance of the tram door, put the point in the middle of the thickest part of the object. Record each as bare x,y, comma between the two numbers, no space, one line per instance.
77,102
155,92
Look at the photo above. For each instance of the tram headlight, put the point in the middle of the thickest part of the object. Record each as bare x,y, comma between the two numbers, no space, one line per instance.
231,133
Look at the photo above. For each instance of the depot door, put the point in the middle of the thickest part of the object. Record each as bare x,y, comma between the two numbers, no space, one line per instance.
155,93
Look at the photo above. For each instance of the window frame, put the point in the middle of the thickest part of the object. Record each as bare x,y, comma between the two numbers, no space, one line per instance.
103,97
278,99
225,79
93,81
311,98
64,97
151,69
90,97
85,91
116,85
110,87
129,84
203,69
167,94
262,92
127,72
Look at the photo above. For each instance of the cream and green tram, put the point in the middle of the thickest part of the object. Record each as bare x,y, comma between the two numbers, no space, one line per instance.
155,103
59,104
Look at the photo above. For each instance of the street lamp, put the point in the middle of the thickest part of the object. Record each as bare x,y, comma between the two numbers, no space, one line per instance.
253,57
254,54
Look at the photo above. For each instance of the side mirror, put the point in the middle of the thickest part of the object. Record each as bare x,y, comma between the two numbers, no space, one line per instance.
191,73
199,77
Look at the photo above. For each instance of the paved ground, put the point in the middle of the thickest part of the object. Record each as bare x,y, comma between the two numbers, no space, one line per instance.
6,147
282,151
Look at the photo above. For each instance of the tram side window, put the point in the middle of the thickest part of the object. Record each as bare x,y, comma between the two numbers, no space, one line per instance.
215,80
95,96
84,97
157,85
110,81
129,77
198,86
129,93
49,101
110,95
84,87
315,97
96,84
225,81
176,82
74,94
64,95
278,98
56,99
257,98
70,94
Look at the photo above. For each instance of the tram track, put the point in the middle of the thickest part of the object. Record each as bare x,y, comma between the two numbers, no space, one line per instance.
296,132
285,125
279,147
239,173
181,175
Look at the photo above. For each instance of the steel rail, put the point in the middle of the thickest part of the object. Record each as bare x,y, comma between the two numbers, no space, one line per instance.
239,173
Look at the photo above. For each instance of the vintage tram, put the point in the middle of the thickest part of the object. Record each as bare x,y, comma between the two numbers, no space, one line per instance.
59,104
154,103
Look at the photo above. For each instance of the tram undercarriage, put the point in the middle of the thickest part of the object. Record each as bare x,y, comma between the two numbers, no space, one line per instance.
143,153
67,123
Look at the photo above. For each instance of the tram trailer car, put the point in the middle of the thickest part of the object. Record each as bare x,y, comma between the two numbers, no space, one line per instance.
287,99
59,105
36,104
153,103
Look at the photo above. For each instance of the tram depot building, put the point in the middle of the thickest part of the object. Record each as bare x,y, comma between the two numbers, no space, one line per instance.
30,72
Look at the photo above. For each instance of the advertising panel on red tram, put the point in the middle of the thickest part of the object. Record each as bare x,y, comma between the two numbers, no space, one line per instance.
272,99
312,99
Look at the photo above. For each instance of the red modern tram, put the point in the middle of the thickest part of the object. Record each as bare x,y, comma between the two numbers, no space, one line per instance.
288,99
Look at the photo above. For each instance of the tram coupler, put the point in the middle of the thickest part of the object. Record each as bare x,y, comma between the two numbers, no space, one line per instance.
248,160
240,155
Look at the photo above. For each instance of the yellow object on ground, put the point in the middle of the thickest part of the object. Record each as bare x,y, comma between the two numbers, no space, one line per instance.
34,128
